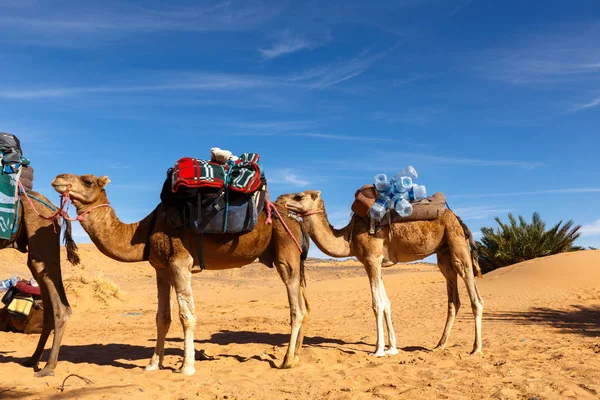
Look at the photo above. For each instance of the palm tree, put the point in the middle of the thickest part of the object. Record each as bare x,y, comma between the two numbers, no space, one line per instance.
519,241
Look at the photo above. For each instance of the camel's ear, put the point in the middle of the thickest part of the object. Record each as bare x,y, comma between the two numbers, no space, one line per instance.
315,194
103,181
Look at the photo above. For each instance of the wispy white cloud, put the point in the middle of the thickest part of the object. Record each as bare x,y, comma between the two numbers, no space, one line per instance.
72,22
315,79
289,43
459,7
343,137
592,229
559,59
591,104
276,125
286,177
207,81
418,117
532,193
332,74
329,136
474,161
480,212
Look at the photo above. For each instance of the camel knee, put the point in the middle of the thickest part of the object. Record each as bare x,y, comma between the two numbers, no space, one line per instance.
187,318
376,307
453,307
477,307
61,316
163,319
456,303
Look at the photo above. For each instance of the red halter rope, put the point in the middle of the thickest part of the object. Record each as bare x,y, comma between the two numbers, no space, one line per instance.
271,207
63,210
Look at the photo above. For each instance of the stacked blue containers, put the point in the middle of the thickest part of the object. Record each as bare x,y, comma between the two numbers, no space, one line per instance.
397,193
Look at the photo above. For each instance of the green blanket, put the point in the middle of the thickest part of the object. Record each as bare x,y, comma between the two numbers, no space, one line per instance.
8,192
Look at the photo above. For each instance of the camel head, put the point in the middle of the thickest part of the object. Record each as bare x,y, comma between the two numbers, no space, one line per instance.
83,190
305,202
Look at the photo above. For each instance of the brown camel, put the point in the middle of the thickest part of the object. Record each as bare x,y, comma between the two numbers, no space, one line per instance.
173,252
446,236
40,238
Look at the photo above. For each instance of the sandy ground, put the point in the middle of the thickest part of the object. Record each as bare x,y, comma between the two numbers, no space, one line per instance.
540,335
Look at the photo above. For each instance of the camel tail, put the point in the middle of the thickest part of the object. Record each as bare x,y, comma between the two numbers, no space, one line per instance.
472,246
70,244
305,246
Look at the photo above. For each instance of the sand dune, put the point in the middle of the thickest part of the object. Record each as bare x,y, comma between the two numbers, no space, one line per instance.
541,328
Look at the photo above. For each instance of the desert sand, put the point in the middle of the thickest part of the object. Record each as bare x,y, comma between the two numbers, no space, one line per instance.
541,331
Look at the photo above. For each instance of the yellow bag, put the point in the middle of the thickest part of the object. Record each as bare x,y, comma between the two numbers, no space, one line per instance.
21,305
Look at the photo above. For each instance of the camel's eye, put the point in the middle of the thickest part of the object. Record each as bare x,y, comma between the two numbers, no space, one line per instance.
88,182
298,197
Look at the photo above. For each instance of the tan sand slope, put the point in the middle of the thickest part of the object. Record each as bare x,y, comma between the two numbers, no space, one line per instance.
540,331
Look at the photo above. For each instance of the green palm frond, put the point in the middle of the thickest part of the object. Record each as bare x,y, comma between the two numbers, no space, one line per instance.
519,240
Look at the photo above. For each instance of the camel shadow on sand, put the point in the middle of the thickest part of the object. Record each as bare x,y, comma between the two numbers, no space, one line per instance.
119,355
111,354
227,337
580,320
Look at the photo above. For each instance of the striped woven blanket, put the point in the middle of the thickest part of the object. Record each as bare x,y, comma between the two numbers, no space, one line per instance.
8,193
243,175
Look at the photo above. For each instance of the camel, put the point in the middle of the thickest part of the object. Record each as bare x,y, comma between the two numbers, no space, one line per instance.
445,236
40,238
173,252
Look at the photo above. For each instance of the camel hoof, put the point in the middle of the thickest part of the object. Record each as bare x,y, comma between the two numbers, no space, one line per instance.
287,364
439,348
186,371
44,372
390,351
476,352
379,353
151,367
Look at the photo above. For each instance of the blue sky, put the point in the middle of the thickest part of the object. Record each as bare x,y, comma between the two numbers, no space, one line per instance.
497,104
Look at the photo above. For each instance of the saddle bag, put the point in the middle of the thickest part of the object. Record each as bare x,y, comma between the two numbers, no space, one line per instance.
21,305
364,198
225,212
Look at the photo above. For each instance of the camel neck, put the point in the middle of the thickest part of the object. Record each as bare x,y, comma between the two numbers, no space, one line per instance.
331,241
115,239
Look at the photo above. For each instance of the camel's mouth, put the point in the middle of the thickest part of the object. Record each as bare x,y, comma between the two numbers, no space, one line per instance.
295,208
60,186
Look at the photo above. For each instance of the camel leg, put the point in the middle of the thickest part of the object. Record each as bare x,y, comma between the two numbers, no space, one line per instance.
163,318
304,322
300,340
461,261
298,309
181,277
51,281
387,313
48,323
453,298
373,268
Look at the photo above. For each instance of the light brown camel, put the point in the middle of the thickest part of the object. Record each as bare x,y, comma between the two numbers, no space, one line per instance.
173,252
40,238
446,236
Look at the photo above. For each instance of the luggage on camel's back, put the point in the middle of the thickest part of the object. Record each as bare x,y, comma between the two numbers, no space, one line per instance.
13,169
216,198
10,147
24,310
427,209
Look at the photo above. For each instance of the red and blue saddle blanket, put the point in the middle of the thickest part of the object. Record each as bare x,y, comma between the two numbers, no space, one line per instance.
216,198
243,175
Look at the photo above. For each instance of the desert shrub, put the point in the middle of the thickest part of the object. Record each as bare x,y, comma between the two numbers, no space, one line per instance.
520,240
